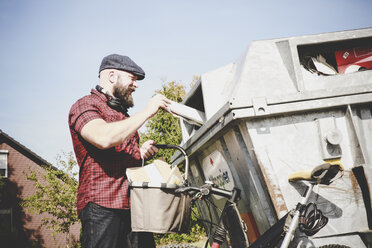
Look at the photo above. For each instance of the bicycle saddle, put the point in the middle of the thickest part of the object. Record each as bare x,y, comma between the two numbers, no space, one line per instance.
322,174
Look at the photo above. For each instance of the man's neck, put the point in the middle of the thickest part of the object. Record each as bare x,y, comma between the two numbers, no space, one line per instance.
107,88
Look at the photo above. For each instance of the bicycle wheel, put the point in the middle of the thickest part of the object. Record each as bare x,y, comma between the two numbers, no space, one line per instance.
334,246
177,246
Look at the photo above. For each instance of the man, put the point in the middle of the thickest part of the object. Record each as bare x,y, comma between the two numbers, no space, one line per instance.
105,141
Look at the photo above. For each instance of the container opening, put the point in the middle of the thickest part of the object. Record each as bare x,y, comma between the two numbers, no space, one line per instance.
196,100
337,57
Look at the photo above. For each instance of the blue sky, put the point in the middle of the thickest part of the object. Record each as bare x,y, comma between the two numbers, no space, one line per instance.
50,50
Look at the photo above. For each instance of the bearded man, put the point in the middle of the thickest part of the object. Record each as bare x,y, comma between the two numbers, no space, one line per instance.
106,142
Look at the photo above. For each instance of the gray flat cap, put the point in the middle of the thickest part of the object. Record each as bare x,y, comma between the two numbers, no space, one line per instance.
123,63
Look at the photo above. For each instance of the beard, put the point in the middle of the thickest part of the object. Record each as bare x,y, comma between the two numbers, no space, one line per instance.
124,94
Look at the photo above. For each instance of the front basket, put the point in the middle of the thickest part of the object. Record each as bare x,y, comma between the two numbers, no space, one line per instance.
159,209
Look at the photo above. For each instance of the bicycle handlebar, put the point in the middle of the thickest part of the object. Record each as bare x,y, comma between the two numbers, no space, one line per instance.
205,189
166,146
208,189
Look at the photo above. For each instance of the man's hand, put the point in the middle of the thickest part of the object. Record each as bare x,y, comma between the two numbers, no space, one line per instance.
156,102
148,149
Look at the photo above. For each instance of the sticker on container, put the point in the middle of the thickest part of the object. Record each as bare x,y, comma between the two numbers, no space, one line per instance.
216,170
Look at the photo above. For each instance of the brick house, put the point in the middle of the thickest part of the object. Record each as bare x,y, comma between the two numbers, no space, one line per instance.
20,228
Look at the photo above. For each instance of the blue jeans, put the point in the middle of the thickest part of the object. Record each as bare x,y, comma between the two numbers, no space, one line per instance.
111,228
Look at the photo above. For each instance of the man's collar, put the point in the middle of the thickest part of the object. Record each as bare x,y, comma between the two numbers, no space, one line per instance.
107,98
99,94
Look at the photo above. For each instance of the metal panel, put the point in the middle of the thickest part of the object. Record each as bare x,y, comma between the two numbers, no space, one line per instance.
284,145
258,201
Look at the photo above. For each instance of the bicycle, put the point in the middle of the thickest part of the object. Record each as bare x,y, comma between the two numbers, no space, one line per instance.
230,229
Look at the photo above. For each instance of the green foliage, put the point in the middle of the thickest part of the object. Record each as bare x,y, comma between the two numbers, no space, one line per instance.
164,128
196,233
55,194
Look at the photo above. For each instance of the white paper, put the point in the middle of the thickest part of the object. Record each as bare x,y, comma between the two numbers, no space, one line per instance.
187,113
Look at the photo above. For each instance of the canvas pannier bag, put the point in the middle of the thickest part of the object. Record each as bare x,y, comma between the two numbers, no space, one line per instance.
159,209
155,206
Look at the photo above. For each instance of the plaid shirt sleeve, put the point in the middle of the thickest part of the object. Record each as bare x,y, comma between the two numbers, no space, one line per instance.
81,113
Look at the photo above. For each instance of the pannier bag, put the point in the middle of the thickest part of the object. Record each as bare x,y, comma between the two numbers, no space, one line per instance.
155,206
158,209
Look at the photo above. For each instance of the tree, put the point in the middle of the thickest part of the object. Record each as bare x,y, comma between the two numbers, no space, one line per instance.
55,195
164,128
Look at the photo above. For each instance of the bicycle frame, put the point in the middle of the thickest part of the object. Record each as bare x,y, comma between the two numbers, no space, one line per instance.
294,223
274,235
230,219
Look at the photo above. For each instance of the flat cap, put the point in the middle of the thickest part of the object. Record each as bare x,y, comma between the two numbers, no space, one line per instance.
123,63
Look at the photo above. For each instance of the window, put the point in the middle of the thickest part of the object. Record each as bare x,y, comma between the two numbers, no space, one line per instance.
4,163
5,221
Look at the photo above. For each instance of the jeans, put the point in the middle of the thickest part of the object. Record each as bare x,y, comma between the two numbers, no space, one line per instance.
111,228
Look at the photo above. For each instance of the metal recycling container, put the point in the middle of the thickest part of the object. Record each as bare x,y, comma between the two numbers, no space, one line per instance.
270,114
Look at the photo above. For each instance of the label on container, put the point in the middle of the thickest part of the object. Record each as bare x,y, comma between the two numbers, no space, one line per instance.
216,170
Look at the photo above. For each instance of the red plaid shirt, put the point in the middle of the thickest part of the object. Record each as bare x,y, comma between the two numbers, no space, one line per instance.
102,177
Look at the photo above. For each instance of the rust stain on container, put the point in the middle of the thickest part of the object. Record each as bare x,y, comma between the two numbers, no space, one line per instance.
274,191
355,186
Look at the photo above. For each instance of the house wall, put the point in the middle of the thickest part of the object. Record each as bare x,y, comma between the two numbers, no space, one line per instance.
26,226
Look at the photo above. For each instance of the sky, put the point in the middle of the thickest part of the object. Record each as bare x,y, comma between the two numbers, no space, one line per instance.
50,50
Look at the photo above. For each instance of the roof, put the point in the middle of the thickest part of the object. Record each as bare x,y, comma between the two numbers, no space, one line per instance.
26,151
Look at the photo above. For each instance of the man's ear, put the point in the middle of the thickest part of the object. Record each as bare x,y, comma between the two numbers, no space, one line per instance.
113,77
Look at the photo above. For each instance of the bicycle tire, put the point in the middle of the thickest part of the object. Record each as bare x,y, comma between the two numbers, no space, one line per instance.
177,246
334,246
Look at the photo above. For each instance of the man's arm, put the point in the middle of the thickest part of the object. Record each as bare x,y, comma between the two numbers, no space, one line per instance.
105,135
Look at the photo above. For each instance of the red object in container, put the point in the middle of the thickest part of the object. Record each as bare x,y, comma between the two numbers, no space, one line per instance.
353,59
